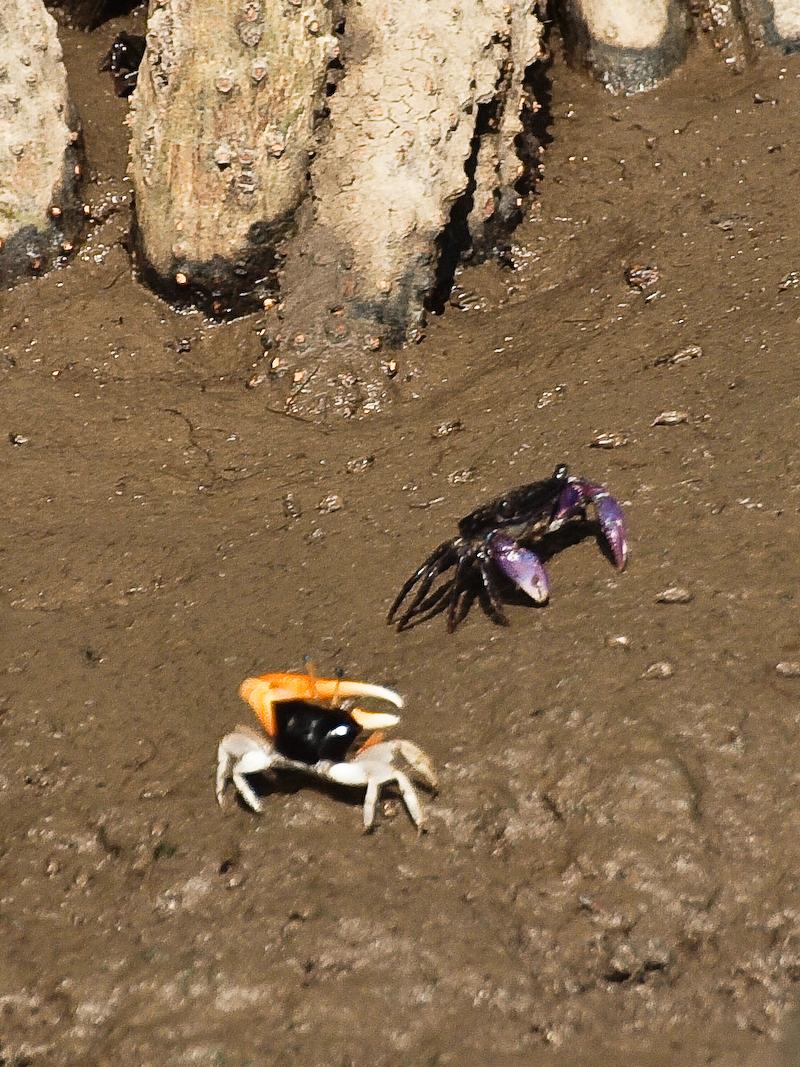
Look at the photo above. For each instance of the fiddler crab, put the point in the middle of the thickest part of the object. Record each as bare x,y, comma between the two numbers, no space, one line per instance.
123,60
491,539
312,725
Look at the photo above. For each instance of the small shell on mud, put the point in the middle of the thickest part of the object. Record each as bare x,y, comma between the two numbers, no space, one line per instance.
359,464
675,594
788,669
459,477
618,641
670,418
290,509
681,357
550,395
329,503
641,275
661,669
18,439
608,440
444,429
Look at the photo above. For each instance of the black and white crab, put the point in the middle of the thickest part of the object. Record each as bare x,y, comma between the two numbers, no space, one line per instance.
493,538
123,60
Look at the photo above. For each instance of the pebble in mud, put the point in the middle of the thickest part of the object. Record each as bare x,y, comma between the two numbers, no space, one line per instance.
608,440
359,464
788,669
618,641
675,594
670,418
444,429
459,477
291,509
681,357
632,960
660,669
329,503
642,276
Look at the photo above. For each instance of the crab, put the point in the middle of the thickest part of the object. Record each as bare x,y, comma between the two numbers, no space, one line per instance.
492,539
311,725
123,60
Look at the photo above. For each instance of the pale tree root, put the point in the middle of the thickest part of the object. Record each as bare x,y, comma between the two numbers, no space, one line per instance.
223,124
41,214
633,45
420,161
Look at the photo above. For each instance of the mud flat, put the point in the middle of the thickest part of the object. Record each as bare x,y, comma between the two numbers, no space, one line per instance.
611,866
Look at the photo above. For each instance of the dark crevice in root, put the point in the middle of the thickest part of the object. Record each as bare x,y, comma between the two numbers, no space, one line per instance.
454,242
89,14
537,121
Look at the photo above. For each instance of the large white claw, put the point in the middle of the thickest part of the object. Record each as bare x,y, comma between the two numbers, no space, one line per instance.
345,688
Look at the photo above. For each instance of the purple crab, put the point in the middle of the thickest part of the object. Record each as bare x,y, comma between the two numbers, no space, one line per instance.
493,538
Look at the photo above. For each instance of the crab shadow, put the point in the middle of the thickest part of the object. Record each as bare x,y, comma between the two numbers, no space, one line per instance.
546,547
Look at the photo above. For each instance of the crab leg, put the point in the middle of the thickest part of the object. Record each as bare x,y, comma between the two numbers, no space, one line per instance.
455,595
440,559
241,753
489,584
431,573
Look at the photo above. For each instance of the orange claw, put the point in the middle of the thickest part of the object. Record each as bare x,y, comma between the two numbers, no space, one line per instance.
267,690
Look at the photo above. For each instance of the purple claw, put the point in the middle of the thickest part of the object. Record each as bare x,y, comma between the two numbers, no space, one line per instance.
571,499
612,523
521,566
575,495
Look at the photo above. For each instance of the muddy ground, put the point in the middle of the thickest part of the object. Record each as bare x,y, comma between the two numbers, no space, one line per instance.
613,859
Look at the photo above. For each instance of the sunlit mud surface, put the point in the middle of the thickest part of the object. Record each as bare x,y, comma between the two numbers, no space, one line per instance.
612,866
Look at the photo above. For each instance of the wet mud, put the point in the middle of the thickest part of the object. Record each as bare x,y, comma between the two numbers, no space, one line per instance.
612,862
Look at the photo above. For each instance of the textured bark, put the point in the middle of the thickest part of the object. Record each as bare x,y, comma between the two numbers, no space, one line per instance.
723,19
405,131
222,127
774,22
506,153
739,27
226,119
40,216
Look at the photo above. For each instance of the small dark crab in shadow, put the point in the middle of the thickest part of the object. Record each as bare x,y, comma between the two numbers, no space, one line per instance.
492,538
123,60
